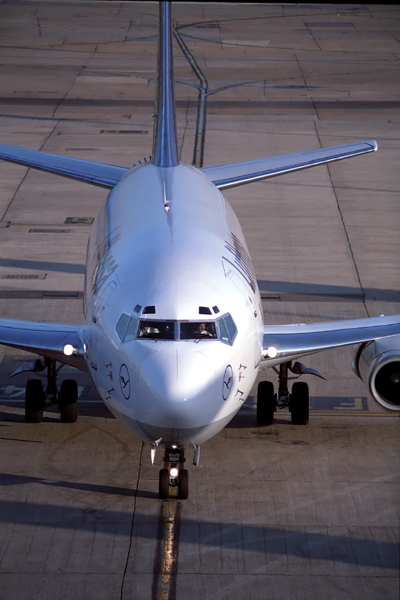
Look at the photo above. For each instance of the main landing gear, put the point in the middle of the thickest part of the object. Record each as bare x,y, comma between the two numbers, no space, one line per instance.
174,474
36,399
298,401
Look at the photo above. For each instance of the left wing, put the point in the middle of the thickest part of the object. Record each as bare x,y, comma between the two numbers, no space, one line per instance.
88,171
63,342
234,174
284,343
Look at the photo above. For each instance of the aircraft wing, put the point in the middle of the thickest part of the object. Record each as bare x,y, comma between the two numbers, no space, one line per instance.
292,341
234,174
96,173
46,339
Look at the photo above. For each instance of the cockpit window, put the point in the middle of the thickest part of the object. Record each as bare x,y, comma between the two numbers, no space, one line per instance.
231,327
121,325
126,327
131,330
160,330
198,330
149,310
222,332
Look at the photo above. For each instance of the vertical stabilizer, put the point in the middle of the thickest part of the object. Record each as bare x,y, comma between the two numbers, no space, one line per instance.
165,146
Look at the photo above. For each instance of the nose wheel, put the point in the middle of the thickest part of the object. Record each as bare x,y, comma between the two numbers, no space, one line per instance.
183,484
163,484
173,474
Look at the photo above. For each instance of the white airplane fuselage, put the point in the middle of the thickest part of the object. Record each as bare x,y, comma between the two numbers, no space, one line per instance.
167,242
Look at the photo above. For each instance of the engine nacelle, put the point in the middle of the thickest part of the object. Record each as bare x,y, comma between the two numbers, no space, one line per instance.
378,365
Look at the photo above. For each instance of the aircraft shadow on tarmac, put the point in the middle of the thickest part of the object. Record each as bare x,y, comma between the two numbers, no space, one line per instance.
85,409
273,287
8,479
283,541
39,265
243,420
328,292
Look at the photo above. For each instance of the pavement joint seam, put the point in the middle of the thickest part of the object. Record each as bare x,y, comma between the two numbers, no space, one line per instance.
133,522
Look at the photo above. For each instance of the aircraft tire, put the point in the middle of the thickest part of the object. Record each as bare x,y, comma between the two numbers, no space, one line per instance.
265,403
163,484
183,484
68,401
300,403
34,401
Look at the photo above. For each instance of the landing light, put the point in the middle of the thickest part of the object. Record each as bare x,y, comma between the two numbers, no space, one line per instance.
174,472
68,350
272,352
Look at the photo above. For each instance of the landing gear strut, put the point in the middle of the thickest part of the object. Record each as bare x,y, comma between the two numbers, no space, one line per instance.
174,474
36,400
298,401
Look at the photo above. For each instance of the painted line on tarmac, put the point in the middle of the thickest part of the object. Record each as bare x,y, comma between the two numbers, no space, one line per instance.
321,413
166,556
325,413
198,152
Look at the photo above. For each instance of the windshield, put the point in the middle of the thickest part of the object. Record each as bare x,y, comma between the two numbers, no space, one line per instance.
223,329
198,330
159,330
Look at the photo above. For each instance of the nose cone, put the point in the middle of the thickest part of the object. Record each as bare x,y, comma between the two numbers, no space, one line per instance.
177,387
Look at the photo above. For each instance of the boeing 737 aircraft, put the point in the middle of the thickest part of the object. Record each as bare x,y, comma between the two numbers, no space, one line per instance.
173,336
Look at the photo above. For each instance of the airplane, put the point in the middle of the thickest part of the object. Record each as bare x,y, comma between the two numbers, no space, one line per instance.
173,334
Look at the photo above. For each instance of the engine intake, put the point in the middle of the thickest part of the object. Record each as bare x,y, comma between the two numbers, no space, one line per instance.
378,365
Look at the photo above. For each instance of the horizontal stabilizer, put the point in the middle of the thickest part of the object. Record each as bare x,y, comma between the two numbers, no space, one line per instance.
46,339
234,174
291,341
96,173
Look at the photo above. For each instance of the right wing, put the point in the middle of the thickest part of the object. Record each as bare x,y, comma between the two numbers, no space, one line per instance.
96,173
240,173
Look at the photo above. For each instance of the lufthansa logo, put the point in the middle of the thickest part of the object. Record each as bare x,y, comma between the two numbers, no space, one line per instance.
227,382
125,382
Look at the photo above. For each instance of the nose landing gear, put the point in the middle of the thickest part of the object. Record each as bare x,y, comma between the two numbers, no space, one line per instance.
174,474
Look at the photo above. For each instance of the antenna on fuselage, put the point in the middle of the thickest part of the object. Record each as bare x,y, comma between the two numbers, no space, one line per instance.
165,145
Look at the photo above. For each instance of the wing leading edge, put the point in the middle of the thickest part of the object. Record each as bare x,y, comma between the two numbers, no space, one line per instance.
88,171
235,174
293,341
46,339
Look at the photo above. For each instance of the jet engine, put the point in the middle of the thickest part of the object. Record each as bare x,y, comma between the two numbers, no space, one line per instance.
377,364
